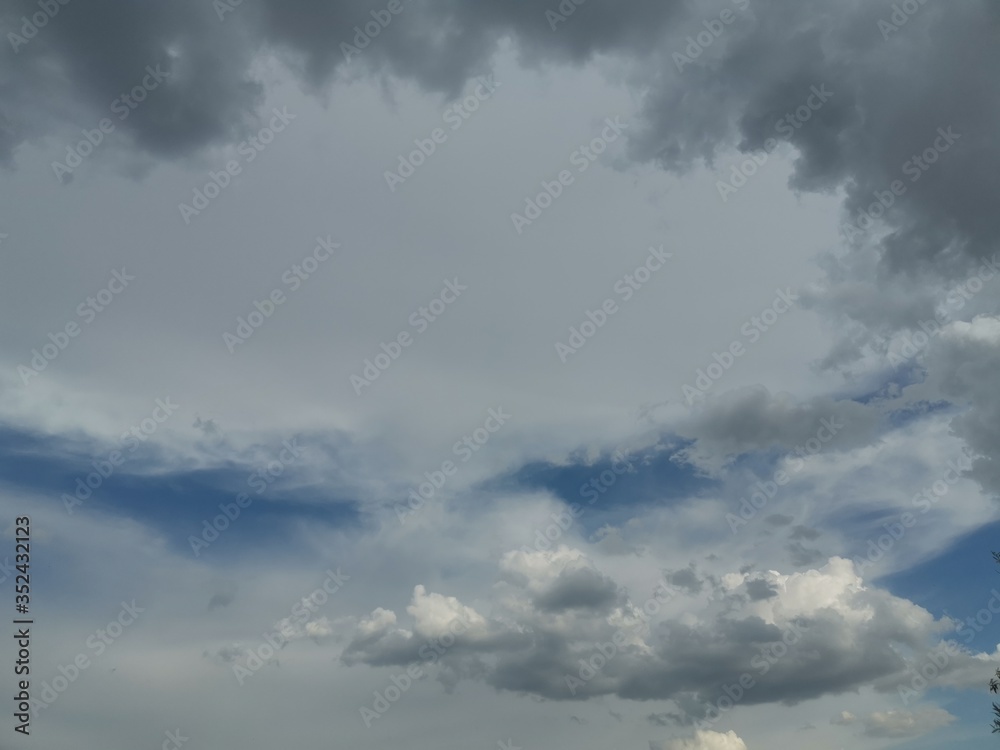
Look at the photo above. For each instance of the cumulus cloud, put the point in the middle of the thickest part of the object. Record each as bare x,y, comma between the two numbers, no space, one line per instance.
435,615
760,588
294,628
799,635
703,740
686,578
560,579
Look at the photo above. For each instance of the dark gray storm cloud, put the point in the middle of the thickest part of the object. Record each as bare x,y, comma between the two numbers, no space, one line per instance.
76,68
86,55
890,90
864,104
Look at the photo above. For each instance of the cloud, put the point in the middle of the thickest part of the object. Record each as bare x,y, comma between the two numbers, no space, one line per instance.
778,519
803,556
898,723
890,100
961,361
453,590
901,723
889,96
804,532
215,83
754,419
687,579
844,718
435,615
209,96
560,580
703,740
819,632
760,588
220,600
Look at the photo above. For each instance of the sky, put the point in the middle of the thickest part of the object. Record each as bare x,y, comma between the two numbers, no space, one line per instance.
502,374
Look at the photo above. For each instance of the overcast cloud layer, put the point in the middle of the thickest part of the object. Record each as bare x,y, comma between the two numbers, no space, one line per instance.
501,373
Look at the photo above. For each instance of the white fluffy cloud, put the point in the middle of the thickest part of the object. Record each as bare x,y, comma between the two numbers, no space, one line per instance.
435,615
703,740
